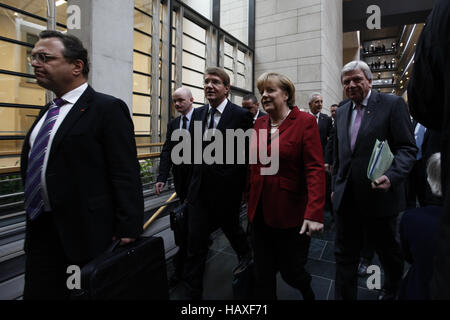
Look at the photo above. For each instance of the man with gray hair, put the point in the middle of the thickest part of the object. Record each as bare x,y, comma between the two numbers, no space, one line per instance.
362,205
325,124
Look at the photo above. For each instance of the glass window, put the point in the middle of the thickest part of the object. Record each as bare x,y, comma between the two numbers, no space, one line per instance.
141,124
193,62
234,18
144,5
142,42
204,7
142,63
141,83
142,22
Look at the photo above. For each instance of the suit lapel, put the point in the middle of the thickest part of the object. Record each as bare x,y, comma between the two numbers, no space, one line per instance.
78,109
226,117
343,125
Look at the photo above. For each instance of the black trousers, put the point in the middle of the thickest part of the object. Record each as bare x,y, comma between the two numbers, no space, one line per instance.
46,264
204,217
351,224
283,250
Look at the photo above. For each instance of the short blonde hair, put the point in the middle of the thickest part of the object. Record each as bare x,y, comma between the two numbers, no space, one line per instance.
282,81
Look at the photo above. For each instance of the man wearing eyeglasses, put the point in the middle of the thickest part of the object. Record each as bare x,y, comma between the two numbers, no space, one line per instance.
79,166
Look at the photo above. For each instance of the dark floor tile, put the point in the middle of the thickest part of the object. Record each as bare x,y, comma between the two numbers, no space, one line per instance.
328,252
366,294
218,277
363,294
219,241
319,285
316,248
321,268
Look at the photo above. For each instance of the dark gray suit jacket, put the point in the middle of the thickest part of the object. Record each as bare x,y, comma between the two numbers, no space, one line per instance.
385,118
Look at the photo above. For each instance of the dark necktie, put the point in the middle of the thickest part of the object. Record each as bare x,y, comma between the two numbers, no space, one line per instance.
185,119
356,126
34,202
212,111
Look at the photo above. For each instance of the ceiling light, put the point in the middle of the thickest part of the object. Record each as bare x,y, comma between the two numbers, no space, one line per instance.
406,72
401,44
60,2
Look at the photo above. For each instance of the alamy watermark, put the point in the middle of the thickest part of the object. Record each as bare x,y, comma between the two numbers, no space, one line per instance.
374,280
74,278
236,141
73,17
374,20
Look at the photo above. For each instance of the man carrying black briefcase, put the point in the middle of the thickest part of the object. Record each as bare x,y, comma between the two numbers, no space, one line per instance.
183,100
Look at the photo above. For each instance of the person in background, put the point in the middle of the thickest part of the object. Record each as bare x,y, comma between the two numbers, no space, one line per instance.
183,100
250,103
418,237
285,208
429,103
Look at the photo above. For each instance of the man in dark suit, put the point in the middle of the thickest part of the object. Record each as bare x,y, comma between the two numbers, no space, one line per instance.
361,205
328,156
215,192
250,103
325,124
428,142
429,99
183,100
80,170
418,236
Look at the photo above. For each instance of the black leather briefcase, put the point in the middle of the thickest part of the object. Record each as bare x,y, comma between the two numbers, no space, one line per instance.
178,224
136,271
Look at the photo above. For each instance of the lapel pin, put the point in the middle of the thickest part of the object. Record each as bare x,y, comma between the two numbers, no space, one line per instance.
82,109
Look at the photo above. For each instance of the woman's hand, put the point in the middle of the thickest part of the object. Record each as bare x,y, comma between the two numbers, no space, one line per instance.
311,227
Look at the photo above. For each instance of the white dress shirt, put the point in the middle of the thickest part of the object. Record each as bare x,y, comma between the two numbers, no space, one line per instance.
71,98
217,114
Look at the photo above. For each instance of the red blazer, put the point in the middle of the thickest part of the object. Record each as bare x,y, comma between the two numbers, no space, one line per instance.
297,190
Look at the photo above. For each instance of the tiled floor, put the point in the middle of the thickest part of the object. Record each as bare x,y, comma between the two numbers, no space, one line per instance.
321,265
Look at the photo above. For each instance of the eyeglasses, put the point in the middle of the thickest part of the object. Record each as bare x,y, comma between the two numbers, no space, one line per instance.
40,57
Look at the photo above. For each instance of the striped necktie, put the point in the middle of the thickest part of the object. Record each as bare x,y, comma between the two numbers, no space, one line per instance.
34,202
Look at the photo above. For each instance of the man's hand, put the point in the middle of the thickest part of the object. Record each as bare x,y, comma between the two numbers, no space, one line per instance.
382,183
311,227
158,187
124,240
327,168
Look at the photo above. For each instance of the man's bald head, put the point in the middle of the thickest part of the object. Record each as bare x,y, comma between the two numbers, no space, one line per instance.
182,99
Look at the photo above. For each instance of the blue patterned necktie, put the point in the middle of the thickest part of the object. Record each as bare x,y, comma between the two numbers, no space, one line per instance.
34,202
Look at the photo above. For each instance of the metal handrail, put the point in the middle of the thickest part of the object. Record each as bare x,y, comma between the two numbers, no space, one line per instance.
16,170
158,212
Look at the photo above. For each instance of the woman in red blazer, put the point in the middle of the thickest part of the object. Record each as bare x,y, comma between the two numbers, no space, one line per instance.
285,208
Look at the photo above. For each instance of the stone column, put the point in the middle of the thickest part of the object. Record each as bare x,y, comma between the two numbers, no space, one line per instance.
107,33
301,39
